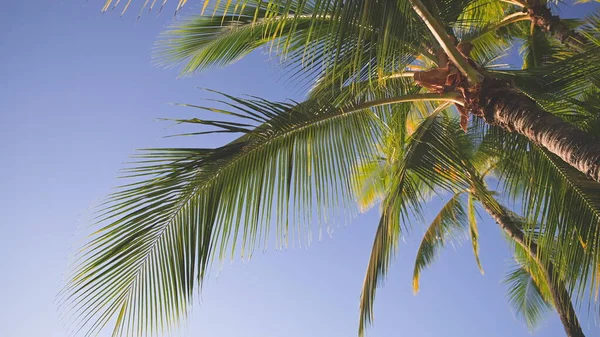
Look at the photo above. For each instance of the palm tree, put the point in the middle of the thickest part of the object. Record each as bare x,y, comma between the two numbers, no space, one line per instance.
496,101
372,63
532,274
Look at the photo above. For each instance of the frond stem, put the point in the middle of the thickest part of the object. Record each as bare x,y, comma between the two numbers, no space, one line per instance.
515,2
408,74
438,31
453,97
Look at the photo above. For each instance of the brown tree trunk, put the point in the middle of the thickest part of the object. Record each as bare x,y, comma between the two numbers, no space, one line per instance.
560,296
501,105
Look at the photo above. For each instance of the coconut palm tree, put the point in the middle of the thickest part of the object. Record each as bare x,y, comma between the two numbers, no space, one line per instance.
373,63
418,29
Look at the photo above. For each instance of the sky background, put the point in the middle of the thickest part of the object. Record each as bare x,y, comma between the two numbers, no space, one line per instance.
79,93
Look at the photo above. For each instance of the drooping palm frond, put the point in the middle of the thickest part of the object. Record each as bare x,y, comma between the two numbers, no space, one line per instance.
526,297
389,228
201,42
562,200
423,160
527,285
473,231
316,38
189,206
162,232
451,218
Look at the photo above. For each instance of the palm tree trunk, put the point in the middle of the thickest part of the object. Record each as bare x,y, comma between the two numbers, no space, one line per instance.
542,17
560,296
501,105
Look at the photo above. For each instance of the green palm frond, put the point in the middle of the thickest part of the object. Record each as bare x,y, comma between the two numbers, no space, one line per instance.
526,261
162,232
218,40
371,181
451,218
387,39
428,157
382,253
525,296
317,38
563,200
407,201
537,49
187,206
473,231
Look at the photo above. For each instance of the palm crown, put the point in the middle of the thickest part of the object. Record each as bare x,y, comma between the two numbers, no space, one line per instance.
373,65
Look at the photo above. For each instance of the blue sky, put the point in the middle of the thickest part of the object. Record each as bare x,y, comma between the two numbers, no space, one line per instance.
80,93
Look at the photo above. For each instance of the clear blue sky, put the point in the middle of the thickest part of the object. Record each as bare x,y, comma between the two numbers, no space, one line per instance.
79,93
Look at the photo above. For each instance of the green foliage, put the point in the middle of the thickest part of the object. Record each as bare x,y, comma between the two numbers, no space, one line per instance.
297,164
452,217
160,234
349,41
473,231
403,197
525,296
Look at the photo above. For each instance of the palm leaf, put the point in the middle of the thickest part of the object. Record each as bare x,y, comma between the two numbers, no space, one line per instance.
218,40
525,296
318,38
389,229
564,201
473,231
160,233
451,218
424,160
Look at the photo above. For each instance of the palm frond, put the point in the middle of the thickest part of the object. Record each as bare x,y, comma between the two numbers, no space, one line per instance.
451,218
536,49
371,182
319,37
427,157
562,200
407,201
218,40
187,206
161,232
473,231
525,296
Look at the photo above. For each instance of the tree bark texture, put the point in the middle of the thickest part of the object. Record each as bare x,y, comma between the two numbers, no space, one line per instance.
560,296
542,17
501,105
